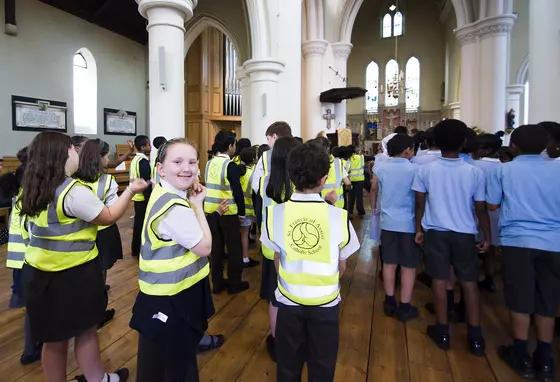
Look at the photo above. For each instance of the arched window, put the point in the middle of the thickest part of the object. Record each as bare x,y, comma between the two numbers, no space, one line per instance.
391,83
85,93
397,24
387,25
412,84
372,86
526,104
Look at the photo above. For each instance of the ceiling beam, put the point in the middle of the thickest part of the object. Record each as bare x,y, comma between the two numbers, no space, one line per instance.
101,9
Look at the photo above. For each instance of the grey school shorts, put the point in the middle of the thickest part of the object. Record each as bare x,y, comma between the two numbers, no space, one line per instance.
446,248
399,248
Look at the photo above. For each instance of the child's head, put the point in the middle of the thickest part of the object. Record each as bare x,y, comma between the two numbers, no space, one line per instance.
300,139
51,158
159,141
553,147
400,130
262,149
323,143
224,142
488,145
279,186
505,155
429,138
247,156
471,142
78,141
401,145
277,130
528,139
142,144
450,135
308,166
94,158
177,163
243,143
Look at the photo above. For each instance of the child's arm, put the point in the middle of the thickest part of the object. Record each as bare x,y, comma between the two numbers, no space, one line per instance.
494,190
484,223
277,260
373,192
196,198
419,209
341,268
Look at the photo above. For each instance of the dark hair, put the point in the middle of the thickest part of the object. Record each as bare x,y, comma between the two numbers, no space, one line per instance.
429,137
262,149
471,142
45,171
22,155
280,128
345,152
10,183
307,164
279,186
491,142
398,144
223,140
553,130
450,135
400,130
158,141
505,154
248,156
300,139
78,140
500,133
140,141
323,143
243,143
530,139
90,160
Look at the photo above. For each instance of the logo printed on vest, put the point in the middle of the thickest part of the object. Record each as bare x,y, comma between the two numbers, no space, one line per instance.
306,235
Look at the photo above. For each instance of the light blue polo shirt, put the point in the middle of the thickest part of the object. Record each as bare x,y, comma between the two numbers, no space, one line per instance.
528,189
452,187
397,198
467,158
428,157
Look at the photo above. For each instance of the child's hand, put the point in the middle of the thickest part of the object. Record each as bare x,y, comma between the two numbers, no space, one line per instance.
331,197
130,146
223,207
138,185
197,193
419,238
484,246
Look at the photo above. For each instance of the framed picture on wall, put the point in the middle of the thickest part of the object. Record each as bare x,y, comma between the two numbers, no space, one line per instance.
36,114
119,122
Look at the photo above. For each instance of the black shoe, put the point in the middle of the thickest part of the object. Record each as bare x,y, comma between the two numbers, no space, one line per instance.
442,340
239,288
122,373
545,373
407,315
27,359
521,365
216,341
271,346
218,288
478,347
16,301
251,263
487,285
390,310
109,314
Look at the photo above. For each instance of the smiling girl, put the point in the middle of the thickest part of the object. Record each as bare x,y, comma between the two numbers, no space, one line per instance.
174,301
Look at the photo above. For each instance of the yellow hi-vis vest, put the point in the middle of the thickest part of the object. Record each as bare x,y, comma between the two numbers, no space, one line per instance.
334,181
356,173
246,182
310,235
101,189
217,186
266,160
166,267
18,237
155,175
57,241
135,174
266,202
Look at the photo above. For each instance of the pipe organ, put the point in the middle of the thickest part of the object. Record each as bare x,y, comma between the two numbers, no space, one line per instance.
232,85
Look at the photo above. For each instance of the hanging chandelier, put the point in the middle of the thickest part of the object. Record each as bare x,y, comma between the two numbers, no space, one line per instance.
396,84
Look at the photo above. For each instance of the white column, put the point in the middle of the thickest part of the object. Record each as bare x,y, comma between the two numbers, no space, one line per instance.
514,93
264,106
493,34
312,115
341,52
544,53
455,110
166,45
245,102
468,40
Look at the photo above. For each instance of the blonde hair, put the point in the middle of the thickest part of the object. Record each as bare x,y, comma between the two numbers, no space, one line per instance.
162,151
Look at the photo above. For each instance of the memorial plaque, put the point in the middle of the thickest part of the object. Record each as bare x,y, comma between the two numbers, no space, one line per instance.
119,122
33,114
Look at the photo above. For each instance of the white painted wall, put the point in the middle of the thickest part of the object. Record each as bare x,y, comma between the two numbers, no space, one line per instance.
453,82
519,46
38,63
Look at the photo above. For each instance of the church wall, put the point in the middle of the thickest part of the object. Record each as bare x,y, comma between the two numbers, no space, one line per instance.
423,37
519,47
454,57
37,63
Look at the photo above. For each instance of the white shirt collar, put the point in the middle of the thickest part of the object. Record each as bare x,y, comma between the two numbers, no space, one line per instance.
170,188
433,152
223,156
486,159
307,197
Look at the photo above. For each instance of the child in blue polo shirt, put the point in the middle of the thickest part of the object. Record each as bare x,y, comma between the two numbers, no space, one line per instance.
449,192
526,189
393,179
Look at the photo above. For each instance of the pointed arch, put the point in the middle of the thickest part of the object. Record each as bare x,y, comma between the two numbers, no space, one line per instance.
372,86
84,76
387,26
391,72
412,83
398,24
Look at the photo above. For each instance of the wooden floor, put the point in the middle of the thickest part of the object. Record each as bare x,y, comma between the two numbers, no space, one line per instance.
372,347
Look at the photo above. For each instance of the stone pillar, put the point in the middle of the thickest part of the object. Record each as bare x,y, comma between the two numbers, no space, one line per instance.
166,60
312,115
455,110
245,102
493,33
514,93
467,37
544,53
341,52
264,107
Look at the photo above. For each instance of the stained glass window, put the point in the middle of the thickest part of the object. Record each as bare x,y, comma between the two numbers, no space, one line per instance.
387,25
412,84
397,24
85,92
391,81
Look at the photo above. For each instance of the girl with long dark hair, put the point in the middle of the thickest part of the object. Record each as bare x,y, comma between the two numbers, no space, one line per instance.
64,291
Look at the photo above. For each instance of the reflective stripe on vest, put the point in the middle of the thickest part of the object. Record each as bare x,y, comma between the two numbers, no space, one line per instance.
18,237
356,173
246,182
166,267
334,182
135,174
266,202
267,160
311,236
57,241
101,188
217,186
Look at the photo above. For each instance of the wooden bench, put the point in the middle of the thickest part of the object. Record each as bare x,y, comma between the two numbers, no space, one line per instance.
9,164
